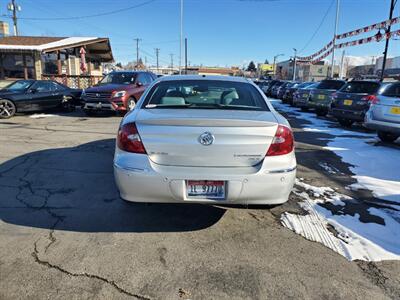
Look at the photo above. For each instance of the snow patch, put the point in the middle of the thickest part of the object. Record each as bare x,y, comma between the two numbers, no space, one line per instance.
41,116
352,238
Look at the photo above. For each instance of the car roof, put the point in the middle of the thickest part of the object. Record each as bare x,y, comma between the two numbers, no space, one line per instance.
129,71
203,77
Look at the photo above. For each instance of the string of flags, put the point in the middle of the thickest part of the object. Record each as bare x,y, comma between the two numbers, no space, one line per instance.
316,57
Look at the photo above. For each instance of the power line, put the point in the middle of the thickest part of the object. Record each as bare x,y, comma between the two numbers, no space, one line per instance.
87,16
318,28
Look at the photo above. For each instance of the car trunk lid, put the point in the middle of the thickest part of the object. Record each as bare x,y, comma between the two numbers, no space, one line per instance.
172,136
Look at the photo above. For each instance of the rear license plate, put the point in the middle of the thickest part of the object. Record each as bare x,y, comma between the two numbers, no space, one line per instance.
395,110
205,189
321,97
348,102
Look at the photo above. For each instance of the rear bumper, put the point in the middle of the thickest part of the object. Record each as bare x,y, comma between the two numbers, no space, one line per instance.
300,102
140,180
381,125
353,115
319,104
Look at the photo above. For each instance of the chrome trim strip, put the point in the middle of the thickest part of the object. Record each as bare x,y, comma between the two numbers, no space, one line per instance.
282,171
130,169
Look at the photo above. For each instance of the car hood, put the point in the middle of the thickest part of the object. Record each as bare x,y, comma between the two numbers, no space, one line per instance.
108,88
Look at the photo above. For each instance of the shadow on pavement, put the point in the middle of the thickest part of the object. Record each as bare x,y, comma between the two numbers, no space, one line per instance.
73,189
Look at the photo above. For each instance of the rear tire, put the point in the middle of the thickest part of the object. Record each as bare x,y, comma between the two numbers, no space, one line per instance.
7,109
131,104
345,123
387,137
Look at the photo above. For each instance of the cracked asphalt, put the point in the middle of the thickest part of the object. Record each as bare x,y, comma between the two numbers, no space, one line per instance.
65,234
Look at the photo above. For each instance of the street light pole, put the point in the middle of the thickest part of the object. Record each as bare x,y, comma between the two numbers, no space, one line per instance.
274,65
294,64
392,4
334,38
181,40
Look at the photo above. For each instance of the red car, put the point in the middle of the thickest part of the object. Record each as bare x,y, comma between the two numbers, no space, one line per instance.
118,91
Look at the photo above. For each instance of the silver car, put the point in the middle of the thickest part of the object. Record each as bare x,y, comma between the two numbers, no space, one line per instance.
204,139
384,113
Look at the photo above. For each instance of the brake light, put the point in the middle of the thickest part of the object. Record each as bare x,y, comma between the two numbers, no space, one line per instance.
371,99
282,143
129,139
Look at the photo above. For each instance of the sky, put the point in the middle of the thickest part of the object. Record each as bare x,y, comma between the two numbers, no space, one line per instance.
219,32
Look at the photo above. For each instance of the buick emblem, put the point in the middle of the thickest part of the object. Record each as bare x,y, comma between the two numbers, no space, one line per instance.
206,138
97,95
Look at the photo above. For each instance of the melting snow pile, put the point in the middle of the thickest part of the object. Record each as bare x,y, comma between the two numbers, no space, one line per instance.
350,237
41,116
376,168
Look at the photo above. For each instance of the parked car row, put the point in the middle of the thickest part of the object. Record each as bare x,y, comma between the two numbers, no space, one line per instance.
117,92
376,105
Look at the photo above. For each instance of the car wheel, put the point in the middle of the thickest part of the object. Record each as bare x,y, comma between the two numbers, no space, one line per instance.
131,103
345,123
321,112
68,105
387,136
7,109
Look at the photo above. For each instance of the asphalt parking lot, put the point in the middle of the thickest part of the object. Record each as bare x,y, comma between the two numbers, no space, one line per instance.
66,234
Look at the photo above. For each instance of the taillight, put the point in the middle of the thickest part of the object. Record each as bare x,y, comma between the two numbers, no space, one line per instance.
129,139
371,99
282,143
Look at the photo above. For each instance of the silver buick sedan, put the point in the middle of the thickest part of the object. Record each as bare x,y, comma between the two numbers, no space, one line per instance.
204,139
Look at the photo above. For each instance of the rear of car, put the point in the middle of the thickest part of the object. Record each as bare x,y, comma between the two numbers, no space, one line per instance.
384,113
351,103
301,96
204,140
274,89
320,97
289,92
282,89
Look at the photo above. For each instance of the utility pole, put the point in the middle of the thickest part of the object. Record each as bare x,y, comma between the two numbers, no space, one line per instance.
157,54
334,38
341,66
274,65
14,7
172,63
186,56
294,64
137,51
181,40
392,4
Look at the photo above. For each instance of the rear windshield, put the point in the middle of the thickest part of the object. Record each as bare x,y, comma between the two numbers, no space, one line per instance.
312,86
392,90
360,87
205,94
330,85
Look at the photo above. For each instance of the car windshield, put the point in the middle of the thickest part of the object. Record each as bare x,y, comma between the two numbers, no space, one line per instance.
330,85
118,78
207,94
19,85
312,86
392,90
360,87
303,85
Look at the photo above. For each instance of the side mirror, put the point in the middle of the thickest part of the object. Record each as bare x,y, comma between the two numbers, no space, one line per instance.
32,91
139,83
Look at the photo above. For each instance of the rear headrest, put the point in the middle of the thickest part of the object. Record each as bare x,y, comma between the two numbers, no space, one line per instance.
175,94
173,100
